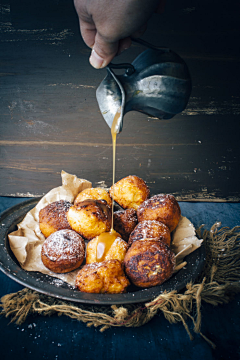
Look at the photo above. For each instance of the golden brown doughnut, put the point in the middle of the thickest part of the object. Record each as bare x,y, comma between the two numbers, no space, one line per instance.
53,217
150,229
130,192
94,194
124,221
149,263
90,218
63,251
102,277
161,207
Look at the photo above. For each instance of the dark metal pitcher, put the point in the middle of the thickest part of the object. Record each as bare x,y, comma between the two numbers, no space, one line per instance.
157,83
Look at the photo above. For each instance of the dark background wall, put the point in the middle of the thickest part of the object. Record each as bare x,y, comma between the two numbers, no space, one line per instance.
50,120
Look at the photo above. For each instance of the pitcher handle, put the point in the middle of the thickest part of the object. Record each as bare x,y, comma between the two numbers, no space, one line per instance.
150,46
129,67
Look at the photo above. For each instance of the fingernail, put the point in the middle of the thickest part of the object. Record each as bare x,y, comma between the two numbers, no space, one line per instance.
96,61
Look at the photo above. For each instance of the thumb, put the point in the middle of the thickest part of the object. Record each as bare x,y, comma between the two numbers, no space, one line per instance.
102,52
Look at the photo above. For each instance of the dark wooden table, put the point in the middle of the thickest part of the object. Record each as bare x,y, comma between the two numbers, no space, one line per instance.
50,119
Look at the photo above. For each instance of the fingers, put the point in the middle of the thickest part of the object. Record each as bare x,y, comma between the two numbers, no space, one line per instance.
106,25
102,52
88,32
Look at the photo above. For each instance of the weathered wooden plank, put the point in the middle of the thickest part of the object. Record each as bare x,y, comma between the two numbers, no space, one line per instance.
50,118
175,168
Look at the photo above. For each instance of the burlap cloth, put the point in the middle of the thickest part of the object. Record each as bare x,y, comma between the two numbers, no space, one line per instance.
217,284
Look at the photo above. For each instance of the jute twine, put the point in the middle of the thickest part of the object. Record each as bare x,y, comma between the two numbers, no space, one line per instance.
217,284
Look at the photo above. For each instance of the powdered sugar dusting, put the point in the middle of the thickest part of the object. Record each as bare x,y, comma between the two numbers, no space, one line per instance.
149,229
63,245
119,242
93,266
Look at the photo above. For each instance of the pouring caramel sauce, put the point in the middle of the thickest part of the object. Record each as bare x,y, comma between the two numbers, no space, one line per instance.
106,239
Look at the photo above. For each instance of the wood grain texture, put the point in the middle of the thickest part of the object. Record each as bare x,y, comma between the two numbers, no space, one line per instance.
50,118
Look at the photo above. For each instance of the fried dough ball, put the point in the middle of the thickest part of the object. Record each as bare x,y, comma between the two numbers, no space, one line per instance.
94,194
115,250
90,218
130,192
53,217
149,263
150,229
124,221
161,207
102,277
63,251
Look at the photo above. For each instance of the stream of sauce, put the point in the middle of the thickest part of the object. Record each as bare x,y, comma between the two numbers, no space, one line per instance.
106,239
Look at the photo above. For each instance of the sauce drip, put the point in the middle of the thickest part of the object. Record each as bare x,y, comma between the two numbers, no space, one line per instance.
105,240
114,138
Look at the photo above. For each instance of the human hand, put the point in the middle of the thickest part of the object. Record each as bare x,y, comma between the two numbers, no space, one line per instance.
107,25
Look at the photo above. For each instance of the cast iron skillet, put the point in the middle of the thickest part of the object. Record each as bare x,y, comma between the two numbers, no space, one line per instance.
54,287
